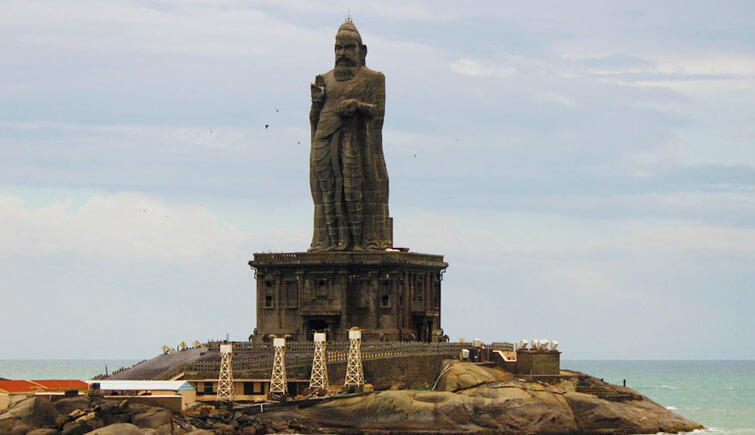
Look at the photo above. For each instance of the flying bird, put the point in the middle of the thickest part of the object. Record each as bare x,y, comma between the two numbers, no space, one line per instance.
415,155
266,126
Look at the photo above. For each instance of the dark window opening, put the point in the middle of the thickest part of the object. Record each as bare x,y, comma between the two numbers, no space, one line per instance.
208,388
268,301
322,288
248,388
385,301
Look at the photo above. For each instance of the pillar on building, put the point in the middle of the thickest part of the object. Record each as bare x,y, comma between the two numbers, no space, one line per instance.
278,384
319,378
225,381
354,372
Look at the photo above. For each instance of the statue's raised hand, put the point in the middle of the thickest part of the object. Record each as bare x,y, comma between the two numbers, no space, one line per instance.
347,107
318,89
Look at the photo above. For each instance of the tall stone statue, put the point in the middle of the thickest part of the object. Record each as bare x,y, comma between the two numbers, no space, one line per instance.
348,178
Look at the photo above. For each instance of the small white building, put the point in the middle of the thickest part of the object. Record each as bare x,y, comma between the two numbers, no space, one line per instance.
169,394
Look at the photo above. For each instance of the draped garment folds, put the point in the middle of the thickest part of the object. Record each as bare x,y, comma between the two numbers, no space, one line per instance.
348,177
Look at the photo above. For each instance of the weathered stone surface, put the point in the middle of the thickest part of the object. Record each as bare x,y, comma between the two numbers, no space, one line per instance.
43,431
76,428
223,428
634,416
117,429
19,428
34,411
67,406
499,404
466,375
157,418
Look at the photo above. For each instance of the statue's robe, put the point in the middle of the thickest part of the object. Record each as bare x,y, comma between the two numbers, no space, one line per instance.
347,166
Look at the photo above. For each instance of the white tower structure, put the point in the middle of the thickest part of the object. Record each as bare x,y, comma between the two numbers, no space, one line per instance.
354,373
225,382
278,385
319,377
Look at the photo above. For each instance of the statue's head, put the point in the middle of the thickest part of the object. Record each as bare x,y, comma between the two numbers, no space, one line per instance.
350,52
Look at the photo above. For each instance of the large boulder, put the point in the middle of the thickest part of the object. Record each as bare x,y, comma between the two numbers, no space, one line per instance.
508,408
71,404
594,414
117,429
156,418
463,375
78,427
33,412
479,400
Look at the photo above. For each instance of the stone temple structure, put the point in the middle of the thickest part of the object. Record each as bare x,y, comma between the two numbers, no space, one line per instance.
351,275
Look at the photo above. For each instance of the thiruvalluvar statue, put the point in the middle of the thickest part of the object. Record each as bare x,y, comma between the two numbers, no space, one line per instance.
348,178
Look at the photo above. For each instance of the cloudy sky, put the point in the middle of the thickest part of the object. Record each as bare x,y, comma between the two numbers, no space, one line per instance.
587,169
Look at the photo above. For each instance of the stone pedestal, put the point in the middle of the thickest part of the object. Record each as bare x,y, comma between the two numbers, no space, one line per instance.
538,362
390,295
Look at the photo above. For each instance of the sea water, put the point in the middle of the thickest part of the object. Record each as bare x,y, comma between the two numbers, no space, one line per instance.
717,394
59,369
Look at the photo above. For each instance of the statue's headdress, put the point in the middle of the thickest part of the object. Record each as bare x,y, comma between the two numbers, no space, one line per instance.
348,29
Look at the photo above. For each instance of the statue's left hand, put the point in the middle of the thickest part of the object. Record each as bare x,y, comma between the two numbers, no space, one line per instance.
347,107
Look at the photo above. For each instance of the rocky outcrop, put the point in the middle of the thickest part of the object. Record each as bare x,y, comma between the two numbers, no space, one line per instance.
467,398
118,429
486,400
81,415
27,414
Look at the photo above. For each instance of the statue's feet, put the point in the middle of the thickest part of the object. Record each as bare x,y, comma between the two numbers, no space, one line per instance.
343,245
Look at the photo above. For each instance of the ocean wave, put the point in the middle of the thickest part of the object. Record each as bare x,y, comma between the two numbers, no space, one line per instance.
667,387
718,430
672,408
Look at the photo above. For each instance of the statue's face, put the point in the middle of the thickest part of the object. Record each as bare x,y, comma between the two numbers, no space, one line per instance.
347,51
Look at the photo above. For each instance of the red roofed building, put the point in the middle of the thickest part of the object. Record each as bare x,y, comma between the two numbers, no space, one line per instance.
62,385
12,391
9,386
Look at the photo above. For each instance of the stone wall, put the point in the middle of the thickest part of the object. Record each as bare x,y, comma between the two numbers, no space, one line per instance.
402,373
538,362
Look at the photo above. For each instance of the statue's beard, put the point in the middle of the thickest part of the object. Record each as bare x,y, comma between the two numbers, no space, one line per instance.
345,68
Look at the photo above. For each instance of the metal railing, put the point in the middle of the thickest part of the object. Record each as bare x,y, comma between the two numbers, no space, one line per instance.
299,354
